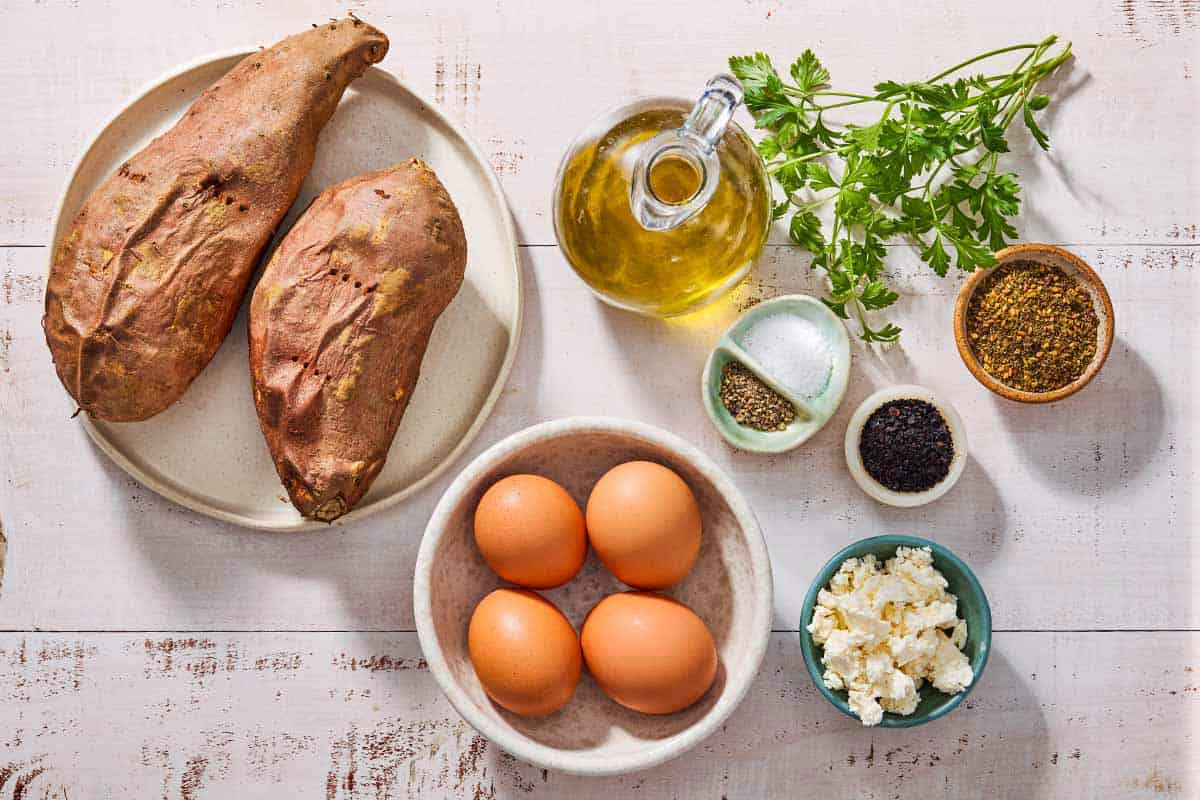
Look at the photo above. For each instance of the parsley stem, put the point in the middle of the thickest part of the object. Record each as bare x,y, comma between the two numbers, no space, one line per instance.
908,126
987,55
1016,76
791,162
859,312
795,92
864,99
1029,80
825,93
1019,70
820,201
927,193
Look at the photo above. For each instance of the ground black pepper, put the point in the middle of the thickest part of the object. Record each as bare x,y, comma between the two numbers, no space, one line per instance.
751,402
906,445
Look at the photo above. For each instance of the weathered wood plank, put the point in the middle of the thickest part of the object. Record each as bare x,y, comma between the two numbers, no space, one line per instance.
525,76
3,553
1079,515
347,716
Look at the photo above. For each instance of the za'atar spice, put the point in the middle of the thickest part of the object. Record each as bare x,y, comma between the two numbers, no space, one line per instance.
1032,326
906,445
751,402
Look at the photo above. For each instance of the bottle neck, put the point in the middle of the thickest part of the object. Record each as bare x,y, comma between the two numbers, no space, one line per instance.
713,111
694,143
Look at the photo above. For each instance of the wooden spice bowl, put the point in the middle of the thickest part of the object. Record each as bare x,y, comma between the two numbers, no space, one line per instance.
1072,265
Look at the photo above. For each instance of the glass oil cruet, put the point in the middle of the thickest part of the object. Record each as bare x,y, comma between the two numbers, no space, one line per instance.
661,206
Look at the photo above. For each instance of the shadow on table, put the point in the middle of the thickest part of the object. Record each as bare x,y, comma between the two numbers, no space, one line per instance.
1068,80
219,572
882,366
591,719
786,735
1098,441
970,519
220,576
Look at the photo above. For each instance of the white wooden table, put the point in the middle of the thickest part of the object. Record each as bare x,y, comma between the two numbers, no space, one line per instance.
149,652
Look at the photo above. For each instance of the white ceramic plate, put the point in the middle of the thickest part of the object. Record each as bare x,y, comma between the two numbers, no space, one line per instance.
206,452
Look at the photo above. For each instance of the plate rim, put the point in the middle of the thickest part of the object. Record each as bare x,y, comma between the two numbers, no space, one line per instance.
302,524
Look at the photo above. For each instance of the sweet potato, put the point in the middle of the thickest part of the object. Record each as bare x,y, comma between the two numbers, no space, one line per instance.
145,285
339,323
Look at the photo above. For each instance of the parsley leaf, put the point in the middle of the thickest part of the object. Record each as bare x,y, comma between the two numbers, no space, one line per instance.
805,230
934,254
924,170
808,73
1038,134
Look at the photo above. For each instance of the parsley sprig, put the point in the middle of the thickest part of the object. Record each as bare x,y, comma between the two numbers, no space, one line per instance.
926,170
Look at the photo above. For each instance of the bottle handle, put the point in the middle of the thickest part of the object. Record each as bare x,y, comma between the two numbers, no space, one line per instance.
694,142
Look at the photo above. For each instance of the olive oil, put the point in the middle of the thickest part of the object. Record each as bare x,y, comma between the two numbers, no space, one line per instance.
674,180
661,272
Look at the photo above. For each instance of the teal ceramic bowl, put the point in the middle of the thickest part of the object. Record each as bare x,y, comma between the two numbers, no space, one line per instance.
972,606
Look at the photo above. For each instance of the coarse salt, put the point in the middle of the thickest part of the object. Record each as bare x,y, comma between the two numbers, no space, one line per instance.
792,350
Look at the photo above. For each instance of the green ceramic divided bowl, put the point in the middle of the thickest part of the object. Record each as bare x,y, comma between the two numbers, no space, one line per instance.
812,412
972,606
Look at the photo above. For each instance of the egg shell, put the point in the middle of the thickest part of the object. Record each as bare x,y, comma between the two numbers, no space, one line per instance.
644,524
525,652
530,531
649,652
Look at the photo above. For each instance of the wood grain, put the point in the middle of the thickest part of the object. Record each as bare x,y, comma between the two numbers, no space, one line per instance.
187,659
525,76
1085,499
358,716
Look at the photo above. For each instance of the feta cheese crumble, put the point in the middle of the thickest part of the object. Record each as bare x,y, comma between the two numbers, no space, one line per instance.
887,631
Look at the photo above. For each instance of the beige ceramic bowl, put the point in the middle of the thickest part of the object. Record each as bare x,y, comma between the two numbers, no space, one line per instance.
730,588
1072,265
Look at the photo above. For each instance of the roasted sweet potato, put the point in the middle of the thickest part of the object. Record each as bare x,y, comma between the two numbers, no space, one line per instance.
339,323
147,282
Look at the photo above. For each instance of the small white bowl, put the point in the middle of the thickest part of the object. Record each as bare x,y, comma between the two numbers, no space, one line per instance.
873,487
730,588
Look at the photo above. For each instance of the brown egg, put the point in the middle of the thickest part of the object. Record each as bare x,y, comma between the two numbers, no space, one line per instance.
530,531
644,524
649,652
524,651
